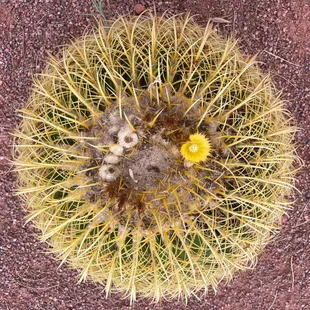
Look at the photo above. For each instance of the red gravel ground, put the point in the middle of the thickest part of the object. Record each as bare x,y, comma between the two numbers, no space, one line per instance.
277,30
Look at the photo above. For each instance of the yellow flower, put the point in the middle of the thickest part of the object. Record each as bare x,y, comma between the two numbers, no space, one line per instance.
196,149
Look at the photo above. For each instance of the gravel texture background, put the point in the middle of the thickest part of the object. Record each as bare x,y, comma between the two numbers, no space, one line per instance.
277,30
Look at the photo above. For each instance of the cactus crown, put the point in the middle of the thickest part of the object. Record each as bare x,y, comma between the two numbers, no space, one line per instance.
154,157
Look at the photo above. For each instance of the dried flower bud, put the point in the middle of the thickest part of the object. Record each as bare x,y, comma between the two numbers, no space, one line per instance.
112,159
117,150
127,138
109,172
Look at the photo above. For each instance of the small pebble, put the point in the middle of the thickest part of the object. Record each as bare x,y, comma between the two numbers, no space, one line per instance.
284,219
139,8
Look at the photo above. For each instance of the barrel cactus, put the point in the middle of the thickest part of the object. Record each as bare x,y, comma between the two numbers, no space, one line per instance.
154,157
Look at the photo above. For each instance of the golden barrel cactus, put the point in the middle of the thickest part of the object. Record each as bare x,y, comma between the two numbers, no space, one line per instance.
155,157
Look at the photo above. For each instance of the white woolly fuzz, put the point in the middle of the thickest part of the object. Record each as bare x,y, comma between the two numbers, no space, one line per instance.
188,164
113,130
117,150
109,172
174,151
125,130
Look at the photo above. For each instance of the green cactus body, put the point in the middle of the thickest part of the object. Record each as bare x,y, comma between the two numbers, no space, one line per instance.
101,172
